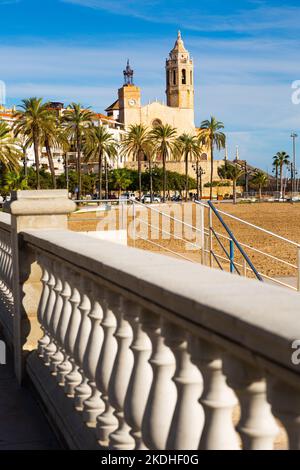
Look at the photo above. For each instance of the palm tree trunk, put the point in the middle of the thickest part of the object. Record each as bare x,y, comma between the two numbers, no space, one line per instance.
186,175
79,165
50,161
211,170
281,182
140,174
36,157
259,189
164,176
106,178
234,191
151,181
100,174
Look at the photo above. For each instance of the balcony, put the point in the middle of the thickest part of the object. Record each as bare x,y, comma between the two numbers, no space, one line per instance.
127,349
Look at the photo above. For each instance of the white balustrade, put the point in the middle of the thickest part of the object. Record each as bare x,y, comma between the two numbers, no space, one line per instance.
257,426
94,405
188,417
161,356
83,390
217,399
163,394
106,421
73,378
120,438
141,376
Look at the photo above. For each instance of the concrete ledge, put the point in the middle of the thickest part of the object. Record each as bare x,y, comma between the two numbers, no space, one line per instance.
263,320
40,202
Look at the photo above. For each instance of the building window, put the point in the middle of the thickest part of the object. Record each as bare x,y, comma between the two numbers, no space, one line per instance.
183,77
191,77
168,77
174,77
203,157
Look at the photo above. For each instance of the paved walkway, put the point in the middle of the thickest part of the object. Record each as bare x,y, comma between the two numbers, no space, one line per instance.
22,424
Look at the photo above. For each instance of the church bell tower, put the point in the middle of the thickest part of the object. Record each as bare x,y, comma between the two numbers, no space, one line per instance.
180,77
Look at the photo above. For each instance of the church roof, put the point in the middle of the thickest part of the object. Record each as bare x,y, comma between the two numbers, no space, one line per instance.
114,105
179,44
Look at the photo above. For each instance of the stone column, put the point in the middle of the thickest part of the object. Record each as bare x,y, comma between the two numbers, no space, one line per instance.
43,209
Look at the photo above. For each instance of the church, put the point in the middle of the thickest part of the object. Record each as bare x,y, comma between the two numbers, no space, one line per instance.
179,109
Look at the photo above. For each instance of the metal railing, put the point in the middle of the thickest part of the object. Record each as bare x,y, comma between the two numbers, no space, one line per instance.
247,266
231,254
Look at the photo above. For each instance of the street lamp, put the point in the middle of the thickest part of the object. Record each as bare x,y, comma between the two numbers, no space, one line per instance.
199,173
293,168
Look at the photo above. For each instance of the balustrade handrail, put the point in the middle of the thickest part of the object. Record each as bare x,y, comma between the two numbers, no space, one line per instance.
259,321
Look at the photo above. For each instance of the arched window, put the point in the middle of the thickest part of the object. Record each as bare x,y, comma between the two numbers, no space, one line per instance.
183,77
168,77
203,157
191,77
156,123
174,77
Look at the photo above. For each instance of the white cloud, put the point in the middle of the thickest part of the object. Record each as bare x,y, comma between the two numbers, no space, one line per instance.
260,17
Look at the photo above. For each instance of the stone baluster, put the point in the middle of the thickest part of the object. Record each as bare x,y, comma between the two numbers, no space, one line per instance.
285,402
54,358
72,378
41,312
188,418
257,426
141,377
64,367
94,405
83,390
218,400
106,422
162,397
64,308
120,439
47,346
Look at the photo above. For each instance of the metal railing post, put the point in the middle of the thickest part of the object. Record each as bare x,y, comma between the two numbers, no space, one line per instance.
210,238
134,223
298,269
231,254
202,222
244,268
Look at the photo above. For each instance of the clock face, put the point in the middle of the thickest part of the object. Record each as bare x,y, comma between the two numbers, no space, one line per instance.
131,102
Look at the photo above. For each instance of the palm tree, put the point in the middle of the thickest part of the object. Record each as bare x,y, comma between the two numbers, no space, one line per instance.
100,143
260,179
135,143
165,142
9,148
76,122
276,168
281,159
50,139
30,120
211,135
231,172
110,155
121,180
190,147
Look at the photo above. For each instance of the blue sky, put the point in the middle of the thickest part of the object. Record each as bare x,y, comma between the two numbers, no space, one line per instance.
246,55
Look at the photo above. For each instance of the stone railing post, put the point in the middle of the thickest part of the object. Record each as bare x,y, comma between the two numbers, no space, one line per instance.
44,209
